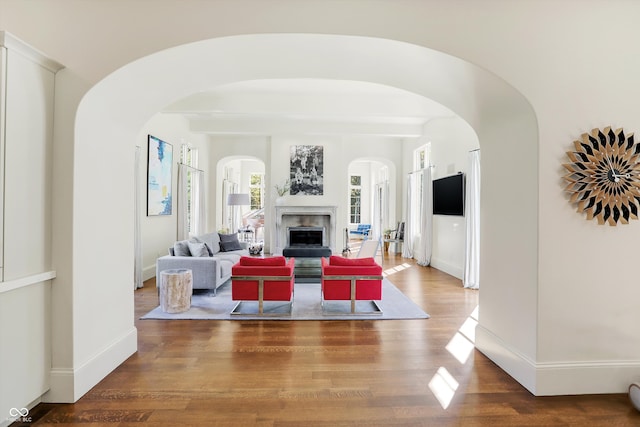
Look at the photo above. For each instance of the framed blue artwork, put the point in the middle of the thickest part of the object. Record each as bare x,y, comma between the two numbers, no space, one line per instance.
159,162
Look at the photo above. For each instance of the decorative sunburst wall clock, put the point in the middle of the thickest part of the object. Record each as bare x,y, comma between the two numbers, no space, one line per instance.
604,176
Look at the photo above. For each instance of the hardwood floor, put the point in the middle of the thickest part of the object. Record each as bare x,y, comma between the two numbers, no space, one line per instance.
326,373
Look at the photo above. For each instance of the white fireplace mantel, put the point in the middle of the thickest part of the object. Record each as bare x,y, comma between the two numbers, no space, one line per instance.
288,216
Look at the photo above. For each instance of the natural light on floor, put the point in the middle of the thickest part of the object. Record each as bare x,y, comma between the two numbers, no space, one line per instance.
460,348
443,385
390,271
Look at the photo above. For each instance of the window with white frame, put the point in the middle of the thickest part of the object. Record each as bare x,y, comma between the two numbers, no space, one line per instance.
355,198
422,157
256,190
422,160
189,157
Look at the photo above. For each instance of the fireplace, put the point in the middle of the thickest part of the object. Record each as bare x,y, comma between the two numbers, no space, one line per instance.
306,236
315,221
307,245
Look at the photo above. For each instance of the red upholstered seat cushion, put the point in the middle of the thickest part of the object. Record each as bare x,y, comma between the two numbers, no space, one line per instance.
268,271
366,269
247,290
338,260
274,290
340,289
343,270
263,262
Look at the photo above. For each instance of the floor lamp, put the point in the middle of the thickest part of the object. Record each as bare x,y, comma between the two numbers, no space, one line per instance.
233,200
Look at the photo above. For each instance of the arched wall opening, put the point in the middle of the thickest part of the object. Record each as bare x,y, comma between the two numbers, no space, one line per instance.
233,174
112,113
378,193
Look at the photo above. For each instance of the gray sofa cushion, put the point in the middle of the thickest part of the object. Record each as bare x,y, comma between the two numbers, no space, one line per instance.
199,249
228,259
181,248
212,240
229,242
230,246
233,256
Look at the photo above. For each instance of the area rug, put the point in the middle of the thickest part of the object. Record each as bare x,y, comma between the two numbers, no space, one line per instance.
306,306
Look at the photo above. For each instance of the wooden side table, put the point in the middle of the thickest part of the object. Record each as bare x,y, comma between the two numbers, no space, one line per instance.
176,288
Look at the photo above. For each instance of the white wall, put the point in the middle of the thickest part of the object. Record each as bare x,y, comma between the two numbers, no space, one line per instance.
540,284
451,140
27,99
111,102
69,92
159,232
339,152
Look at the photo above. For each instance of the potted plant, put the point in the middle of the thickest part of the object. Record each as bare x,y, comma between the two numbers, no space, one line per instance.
387,235
281,190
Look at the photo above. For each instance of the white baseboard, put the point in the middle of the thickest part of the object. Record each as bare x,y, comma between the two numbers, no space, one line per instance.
596,377
561,378
453,270
521,368
148,272
70,384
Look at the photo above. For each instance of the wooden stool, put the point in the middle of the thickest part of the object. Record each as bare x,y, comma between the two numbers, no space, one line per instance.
176,288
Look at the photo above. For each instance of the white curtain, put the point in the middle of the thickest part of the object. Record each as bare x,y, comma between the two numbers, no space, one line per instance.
380,208
197,220
472,202
137,229
407,247
375,224
183,208
426,222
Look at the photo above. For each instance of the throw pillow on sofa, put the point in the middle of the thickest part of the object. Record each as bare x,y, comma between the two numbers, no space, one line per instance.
212,241
199,249
229,242
181,248
206,245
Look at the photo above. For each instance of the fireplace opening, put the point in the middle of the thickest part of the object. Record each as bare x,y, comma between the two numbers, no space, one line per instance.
306,236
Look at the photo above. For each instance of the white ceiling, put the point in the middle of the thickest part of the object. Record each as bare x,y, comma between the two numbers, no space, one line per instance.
308,106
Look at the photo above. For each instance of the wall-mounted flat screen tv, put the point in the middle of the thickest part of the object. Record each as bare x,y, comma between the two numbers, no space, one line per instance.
448,195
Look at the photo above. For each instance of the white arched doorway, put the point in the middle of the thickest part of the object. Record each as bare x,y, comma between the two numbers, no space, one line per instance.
238,174
112,113
372,185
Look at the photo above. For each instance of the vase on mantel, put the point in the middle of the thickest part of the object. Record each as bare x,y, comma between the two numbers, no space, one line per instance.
280,200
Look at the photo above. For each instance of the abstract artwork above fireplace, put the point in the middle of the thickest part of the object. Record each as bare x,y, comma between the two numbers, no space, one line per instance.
307,170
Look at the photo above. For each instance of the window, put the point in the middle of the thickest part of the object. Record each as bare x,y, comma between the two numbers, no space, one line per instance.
256,190
422,157
355,198
189,157
422,160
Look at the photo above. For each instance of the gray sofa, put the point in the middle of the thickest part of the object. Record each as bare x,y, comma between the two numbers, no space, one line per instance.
210,265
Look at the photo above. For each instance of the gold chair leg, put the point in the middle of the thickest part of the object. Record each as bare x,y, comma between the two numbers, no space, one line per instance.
353,295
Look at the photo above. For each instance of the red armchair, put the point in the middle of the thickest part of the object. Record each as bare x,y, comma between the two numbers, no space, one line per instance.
262,279
352,280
